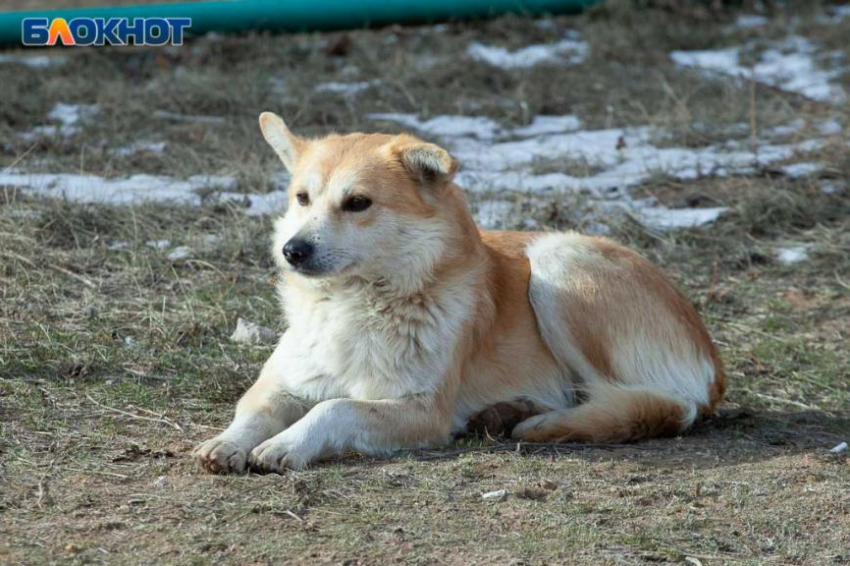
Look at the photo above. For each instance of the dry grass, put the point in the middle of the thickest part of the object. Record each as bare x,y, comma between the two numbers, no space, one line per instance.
115,362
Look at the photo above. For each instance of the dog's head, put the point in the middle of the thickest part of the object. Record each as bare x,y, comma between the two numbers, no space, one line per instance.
364,205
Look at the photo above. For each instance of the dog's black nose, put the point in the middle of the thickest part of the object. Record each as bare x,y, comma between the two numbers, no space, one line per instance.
297,252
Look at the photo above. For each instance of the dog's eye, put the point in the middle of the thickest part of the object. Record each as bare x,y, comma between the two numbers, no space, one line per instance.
303,198
357,204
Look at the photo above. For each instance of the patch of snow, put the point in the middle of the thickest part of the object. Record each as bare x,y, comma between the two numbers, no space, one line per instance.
830,127
278,86
530,55
251,333
492,214
257,204
792,255
138,147
92,189
789,65
493,158
158,244
626,157
348,89
663,218
783,130
543,125
177,117
832,187
480,127
805,169
427,62
180,253
839,13
24,213
596,229
33,61
445,126
69,117
749,21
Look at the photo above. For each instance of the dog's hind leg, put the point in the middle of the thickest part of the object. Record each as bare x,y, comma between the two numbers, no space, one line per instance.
612,415
637,347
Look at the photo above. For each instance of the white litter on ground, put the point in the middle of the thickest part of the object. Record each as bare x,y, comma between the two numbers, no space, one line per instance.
792,255
250,333
839,448
574,50
497,495
180,253
789,65
69,117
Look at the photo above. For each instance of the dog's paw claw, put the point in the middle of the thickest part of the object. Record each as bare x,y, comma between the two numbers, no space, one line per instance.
221,457
276,456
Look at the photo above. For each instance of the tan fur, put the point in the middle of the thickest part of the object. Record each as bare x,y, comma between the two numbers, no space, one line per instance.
426,323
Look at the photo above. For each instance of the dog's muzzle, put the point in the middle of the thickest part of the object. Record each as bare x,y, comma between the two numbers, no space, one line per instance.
297,252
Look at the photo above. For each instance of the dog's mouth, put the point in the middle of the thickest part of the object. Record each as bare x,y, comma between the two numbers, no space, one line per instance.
318,272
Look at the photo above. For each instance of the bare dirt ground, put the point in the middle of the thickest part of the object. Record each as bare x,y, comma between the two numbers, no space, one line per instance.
115,357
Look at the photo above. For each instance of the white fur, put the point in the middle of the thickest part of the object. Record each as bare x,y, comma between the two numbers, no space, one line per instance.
675,370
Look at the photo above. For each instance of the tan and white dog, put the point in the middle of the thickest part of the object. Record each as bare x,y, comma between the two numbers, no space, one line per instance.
406,321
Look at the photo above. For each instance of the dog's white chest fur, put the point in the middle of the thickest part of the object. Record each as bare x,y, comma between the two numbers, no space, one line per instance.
365,343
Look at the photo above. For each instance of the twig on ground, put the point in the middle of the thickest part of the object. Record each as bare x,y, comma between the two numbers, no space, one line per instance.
161,420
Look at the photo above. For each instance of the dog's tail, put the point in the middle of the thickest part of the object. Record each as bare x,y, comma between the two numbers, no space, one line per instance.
612,415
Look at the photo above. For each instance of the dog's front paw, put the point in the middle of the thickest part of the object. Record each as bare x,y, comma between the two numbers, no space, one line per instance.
280,453
219,456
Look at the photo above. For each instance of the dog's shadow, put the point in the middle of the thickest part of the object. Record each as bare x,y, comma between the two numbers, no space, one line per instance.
730,437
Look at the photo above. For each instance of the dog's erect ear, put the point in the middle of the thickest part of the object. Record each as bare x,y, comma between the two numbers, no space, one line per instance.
427,160
286,144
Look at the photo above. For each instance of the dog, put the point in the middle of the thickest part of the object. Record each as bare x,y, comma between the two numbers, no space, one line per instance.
406,322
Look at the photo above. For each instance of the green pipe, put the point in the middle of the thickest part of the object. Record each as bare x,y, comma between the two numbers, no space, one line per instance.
301,15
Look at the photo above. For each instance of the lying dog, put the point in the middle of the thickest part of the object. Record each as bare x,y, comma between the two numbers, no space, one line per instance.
406,321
